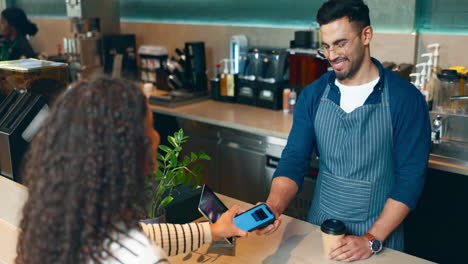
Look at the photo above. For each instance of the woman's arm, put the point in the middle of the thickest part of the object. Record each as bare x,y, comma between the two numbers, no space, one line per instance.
177,239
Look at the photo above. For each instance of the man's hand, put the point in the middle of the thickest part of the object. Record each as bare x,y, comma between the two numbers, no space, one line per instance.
273,227
351,248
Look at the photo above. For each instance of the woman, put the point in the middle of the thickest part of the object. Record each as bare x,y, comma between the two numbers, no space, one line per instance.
15,26
85,174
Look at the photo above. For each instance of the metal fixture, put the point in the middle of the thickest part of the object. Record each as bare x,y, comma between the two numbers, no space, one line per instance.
436,134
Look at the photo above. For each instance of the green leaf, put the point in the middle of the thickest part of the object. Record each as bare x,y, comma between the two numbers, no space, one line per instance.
161,190
173,161
172,141
160,158
168,155
179,135
193,157
165,148
197,168
166,201
204,156
180,177
158,175
186,161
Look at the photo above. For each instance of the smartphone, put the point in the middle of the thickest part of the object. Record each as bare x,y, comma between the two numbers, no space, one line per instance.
211,207
256,217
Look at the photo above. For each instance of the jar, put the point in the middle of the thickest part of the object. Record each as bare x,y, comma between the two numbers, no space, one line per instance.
449,86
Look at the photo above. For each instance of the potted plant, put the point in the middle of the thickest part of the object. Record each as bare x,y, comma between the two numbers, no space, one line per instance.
171,172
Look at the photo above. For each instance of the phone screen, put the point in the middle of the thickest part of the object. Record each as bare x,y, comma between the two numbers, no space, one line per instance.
256,217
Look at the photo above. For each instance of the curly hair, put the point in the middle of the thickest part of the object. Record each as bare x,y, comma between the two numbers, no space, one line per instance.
85,173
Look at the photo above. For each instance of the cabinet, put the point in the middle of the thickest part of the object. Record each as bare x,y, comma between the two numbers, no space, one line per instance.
436,229
241,166
202,137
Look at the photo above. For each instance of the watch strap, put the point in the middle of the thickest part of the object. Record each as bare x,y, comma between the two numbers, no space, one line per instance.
369,236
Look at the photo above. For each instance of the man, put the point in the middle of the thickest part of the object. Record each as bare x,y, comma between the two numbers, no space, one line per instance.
371,131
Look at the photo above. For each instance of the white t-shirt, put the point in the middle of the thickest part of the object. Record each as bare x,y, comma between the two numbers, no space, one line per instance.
354,96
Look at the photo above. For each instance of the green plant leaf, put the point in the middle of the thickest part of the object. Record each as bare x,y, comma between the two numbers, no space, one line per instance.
197,169
165,148
173,162
160,157
186,161
166,201
193,157
204,156
158,174
169,176
179,135
168,155
161,190
172,141
180,177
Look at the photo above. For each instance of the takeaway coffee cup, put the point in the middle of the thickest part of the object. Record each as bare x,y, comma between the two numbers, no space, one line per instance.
332,231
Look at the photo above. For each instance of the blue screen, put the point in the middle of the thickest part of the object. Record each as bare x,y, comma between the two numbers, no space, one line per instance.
253,218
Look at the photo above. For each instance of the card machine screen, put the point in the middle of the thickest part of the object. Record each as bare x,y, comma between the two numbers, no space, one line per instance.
211,207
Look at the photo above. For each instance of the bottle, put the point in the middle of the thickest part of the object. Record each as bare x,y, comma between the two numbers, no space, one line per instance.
223,80
227,79
286,94
292,101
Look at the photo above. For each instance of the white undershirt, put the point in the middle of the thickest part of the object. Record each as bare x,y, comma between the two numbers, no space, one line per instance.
354,96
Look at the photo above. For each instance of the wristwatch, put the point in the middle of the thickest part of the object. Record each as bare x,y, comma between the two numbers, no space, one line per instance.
374,244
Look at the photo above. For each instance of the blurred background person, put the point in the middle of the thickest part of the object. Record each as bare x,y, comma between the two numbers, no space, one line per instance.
15,27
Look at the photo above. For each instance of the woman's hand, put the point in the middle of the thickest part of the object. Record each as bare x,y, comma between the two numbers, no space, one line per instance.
225,227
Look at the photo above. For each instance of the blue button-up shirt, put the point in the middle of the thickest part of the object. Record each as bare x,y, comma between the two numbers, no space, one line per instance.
411,132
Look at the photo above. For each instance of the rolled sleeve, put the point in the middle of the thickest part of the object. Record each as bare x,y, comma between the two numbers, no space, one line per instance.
412,139
295,158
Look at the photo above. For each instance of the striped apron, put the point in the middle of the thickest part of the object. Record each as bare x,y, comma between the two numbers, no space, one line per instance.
356,166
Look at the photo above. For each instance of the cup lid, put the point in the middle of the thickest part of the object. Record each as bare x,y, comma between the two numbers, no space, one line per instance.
333,227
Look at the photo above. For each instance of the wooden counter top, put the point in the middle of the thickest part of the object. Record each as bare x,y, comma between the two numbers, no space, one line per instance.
261,121
295,241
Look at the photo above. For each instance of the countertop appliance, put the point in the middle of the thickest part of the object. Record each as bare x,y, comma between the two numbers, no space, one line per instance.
119,55
90,20
27,87
20,74
262,81
22,114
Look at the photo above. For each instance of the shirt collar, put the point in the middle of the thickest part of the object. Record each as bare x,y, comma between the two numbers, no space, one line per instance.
378,86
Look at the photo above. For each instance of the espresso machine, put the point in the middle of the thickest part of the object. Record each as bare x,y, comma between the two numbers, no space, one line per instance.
90,21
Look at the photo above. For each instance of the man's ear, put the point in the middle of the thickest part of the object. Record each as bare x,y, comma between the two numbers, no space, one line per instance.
366,35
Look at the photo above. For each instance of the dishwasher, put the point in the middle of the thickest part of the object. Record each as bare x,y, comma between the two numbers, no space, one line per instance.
300,205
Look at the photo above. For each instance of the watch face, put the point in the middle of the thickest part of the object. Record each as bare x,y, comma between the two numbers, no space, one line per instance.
376,245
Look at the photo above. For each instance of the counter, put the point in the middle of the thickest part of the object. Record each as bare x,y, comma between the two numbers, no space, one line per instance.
295,241
265,122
